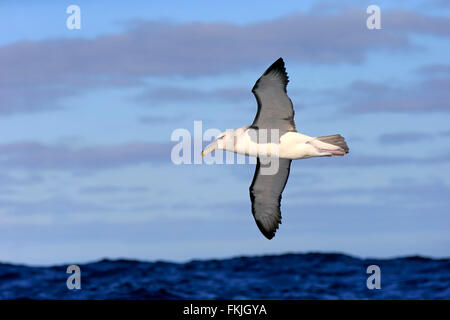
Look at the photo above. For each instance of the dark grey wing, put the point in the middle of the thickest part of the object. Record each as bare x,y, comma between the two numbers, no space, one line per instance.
275,110
265,193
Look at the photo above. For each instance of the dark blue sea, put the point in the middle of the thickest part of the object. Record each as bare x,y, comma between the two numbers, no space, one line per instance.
287,276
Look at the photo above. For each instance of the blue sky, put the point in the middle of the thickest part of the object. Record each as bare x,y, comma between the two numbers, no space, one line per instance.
86,118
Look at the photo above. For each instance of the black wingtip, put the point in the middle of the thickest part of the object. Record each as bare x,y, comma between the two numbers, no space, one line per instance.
280,68
277,66
268,234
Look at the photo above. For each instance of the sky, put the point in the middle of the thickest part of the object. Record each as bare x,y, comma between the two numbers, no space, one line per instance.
87,115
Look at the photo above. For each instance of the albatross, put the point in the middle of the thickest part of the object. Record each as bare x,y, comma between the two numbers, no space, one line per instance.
275,141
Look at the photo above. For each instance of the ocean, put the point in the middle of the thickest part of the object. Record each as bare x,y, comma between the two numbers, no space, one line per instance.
286,276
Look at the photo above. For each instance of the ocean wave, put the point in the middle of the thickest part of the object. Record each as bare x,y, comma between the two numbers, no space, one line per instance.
287,276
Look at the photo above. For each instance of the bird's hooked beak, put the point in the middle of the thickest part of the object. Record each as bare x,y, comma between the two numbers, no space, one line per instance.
210,148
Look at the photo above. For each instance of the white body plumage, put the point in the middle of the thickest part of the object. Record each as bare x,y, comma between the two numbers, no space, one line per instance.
292,145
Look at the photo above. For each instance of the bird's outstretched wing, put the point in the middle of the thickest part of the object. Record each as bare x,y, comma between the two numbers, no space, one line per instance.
275,110
265,193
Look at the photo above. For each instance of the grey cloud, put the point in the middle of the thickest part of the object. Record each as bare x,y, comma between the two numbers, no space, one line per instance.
9,182
365,160
431,94
36,73
404,137
112,190
12,180
407,202
33,155
439,3
53,205
409,21
32,98
429,193
435,69
155,119
178,94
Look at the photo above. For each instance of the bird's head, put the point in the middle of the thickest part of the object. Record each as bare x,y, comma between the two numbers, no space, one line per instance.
222,141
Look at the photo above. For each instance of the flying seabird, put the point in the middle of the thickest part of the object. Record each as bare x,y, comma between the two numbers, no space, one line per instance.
274,140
